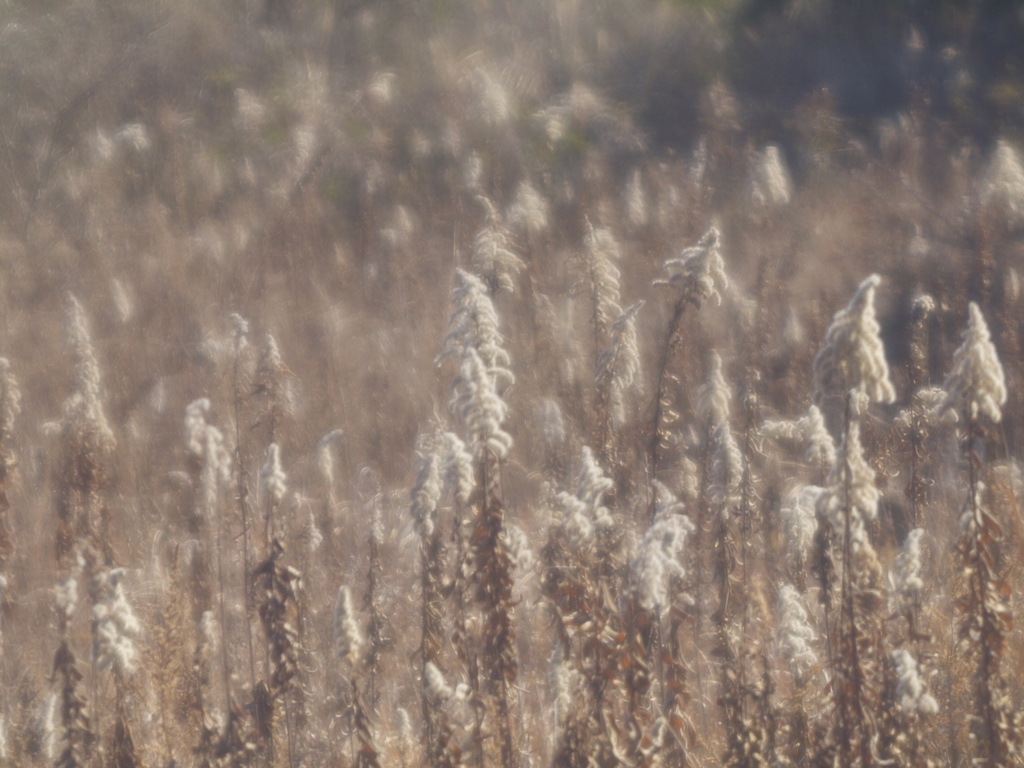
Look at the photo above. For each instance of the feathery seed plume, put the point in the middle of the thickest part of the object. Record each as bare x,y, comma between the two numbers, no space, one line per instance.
1003,184
700,267
602,254
770,184
809,429
481,408
474,324
853,358
800,524
114,625
458,467
794,634
910,689
272,477
906,574
426,492
714,395
863,494
529,210
493,257
324,460
347,639
977,376
661,551
618,366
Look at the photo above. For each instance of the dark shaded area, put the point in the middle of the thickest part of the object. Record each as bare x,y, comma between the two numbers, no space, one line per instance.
962,61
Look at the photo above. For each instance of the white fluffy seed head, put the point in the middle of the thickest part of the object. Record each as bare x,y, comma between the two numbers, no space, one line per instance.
272,476
662,550
83,411
347,639
977,377
715,395
699,269
473,323
529,210
458,467
863,493
800,524
324,459
810,430
603,252
635,200
794,634
426,491
853,358
726,469
481,408
1003,185
65,597
770,184
906,573
910,688
114,625
493,257
618,366
437,687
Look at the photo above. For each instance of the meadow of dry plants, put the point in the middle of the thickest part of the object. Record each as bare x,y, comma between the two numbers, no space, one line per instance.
509,384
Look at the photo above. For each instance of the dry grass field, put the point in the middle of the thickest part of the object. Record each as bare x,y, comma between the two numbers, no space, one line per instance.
550,383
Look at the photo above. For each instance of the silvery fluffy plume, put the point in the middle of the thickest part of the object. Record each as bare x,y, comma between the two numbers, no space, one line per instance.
715,395
473,323
1003,185
661,552
10,402
114,625
699,269
618,366
65,598
399,231
493,257
726,469
347,639
206,444
863,494
84,424
809,429
493,100
529,210
906,572
426,491
910,689
552,424
324,459
310,535
459,474
800,523
437,687
480,407
635,200
567,683
241,326
977,377
602,276
770,184
517,544
926,406
853,358
794,634
272,476
583,513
